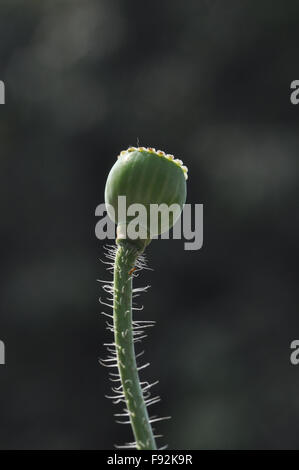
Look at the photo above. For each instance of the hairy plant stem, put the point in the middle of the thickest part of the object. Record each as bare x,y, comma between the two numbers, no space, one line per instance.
123,330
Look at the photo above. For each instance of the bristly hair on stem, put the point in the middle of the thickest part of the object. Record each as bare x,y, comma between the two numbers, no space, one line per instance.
148,177
126,263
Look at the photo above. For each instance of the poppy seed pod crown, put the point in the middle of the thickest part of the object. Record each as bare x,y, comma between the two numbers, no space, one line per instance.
149,178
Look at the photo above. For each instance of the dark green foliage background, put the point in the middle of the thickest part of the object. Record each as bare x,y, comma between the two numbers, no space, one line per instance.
205,80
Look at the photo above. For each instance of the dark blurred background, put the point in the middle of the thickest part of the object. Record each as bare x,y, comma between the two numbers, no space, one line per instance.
208,81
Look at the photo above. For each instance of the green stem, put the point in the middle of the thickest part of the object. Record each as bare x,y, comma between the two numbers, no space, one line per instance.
123,330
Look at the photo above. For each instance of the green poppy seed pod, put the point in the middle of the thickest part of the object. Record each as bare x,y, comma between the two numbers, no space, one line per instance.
152,180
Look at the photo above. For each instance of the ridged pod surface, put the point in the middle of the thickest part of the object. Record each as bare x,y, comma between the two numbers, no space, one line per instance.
146,176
